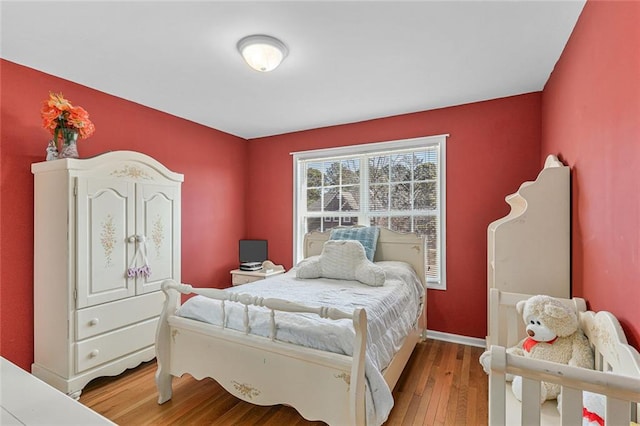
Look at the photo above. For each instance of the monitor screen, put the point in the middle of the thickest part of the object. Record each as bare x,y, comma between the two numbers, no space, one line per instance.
253,251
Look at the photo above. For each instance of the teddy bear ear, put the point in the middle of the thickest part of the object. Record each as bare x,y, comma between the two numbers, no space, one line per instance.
555,311
520,306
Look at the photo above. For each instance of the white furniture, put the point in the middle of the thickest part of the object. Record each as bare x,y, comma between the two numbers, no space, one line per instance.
269,269
320,385
528,251
27,400
617,373
95,219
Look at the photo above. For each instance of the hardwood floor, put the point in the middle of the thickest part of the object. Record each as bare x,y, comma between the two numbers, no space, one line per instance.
443,384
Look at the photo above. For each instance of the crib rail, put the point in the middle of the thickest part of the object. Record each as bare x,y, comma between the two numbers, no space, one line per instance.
622,392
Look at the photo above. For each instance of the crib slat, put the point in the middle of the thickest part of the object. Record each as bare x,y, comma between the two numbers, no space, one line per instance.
498,400
571,406
530,402
512,332
497,388
617,412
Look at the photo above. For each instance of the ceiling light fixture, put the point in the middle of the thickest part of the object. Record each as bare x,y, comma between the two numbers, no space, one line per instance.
262,52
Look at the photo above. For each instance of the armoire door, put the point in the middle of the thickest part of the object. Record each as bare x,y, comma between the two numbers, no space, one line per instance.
105,222
158,220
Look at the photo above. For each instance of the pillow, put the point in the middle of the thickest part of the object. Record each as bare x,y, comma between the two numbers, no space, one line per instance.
342,260
367,235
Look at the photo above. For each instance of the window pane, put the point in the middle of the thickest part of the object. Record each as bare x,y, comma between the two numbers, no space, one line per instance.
331,201
401,223
333,223
314,175
425,196
313,200
379,198
350,171
425,166
350,198
331,173
379,221
379,169
401,196
401,167
428,226
349,221
314,224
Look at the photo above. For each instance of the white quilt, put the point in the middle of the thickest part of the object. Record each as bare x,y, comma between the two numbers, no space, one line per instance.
392,310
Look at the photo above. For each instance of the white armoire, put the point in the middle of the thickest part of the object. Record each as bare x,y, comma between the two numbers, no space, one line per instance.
98,222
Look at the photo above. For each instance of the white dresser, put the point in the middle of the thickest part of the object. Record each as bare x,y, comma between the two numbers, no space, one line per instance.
98,221
25,400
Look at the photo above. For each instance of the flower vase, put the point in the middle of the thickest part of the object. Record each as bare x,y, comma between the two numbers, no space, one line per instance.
69,144
52,150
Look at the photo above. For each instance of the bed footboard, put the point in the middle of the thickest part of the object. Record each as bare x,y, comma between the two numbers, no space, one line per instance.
263,370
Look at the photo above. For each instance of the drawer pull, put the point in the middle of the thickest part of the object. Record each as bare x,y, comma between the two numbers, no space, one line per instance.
94,322
94,353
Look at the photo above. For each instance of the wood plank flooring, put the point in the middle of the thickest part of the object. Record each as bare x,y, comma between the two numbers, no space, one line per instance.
442,384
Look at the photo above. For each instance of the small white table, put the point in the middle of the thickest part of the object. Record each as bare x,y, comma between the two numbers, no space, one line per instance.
27,400
269,269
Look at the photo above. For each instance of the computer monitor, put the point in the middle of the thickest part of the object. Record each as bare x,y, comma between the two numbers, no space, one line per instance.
253,251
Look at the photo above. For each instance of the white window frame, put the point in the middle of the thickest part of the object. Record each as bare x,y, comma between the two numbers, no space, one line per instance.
299,184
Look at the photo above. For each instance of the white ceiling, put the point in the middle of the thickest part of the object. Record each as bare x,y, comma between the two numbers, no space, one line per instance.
348,60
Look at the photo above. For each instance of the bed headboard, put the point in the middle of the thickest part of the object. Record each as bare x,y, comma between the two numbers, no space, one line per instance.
399,246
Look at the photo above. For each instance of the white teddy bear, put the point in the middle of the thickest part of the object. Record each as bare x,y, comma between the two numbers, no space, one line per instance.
553,335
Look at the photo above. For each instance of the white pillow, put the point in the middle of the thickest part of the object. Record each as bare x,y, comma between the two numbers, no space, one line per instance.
342,260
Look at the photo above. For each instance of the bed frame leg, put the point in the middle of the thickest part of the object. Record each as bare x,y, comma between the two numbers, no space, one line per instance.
164,378
357,387
164,385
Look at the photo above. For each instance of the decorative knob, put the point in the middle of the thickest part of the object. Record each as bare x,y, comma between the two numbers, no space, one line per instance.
132,239
94,353
94,322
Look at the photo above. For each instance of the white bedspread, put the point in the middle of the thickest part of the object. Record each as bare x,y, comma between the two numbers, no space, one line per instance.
392,310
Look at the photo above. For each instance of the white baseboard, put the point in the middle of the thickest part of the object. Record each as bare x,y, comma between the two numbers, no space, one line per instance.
456,338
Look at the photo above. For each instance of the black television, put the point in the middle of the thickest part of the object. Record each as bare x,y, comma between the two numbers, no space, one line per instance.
253,251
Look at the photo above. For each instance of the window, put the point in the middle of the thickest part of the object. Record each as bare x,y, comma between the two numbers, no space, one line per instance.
397,185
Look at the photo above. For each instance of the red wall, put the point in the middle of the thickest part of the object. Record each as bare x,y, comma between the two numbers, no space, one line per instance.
493,147
588,114
591,117
212,210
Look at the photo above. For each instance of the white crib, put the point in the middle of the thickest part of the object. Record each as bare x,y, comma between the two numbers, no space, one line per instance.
617,373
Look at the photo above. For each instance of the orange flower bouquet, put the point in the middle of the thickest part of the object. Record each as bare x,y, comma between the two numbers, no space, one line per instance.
66,123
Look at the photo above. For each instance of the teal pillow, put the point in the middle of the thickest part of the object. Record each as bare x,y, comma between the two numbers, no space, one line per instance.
367,235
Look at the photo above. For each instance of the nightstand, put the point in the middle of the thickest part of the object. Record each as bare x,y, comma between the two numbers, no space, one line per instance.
269,269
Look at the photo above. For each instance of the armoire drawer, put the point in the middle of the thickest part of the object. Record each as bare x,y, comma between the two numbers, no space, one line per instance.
110,316
109,346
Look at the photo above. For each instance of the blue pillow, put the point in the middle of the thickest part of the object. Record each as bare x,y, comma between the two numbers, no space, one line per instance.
367,235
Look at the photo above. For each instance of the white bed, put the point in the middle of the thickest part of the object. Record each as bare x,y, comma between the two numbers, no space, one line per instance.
617,373
269,353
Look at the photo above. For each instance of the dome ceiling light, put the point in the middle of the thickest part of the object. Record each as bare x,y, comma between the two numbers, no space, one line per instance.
262,52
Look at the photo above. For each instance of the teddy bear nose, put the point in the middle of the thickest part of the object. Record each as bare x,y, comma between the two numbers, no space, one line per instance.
531,333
